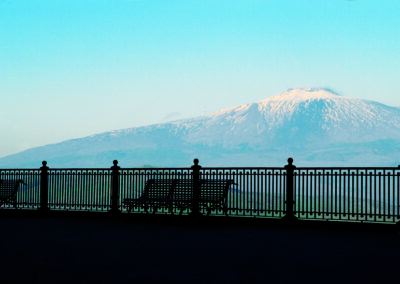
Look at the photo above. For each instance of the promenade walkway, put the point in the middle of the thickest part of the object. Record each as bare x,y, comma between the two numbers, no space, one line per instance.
69,247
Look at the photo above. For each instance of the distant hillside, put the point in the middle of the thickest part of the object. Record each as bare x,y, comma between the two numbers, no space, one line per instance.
316,126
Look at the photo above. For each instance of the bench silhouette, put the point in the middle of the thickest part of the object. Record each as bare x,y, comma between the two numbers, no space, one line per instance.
157,193
167,193
213,194
8,191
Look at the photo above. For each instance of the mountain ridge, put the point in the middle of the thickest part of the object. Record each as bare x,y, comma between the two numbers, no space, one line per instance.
315,125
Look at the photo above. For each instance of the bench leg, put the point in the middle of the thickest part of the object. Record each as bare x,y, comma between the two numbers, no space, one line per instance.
171,208
225,209
208,210
146,208
181,211
181,208
15,202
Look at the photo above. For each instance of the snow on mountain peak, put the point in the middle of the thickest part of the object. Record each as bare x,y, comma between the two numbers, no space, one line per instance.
289,98
303,94
304,114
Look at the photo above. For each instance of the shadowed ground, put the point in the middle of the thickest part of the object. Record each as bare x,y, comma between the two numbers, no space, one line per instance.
94,247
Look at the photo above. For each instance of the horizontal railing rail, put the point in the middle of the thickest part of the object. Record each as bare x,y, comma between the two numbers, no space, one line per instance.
330,193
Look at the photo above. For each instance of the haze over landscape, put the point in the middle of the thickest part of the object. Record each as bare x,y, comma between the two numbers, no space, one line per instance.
162,82
315,125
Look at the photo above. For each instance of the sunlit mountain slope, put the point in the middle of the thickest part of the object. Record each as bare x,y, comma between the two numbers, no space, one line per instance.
315,126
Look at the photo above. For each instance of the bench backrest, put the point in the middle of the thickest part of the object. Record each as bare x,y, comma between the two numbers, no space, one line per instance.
183,190
8,188
210,189
159,188
214,190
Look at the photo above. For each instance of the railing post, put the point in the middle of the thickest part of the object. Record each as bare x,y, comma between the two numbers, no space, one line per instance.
289,192
115,188
44,187
398,194
196,189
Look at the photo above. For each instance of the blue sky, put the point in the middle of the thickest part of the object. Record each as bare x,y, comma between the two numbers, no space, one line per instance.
74,68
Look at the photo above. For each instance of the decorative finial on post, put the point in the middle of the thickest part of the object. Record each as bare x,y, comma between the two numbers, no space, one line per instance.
44,187
196,188
115,188
289,192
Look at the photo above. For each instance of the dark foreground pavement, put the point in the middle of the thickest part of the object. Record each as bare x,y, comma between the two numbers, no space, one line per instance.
98,248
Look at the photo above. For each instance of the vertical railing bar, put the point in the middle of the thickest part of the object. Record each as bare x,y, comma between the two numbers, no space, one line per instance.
380,194
384,195
309,193
341,197
269,192
361,195
350,199
276,204
392,189
357,190
398,195
375,193
316,197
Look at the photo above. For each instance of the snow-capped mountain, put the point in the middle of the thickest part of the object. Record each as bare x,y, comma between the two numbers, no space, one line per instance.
298,116
315,126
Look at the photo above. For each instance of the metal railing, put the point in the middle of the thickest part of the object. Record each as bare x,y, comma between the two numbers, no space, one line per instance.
256,192
348,194
352,194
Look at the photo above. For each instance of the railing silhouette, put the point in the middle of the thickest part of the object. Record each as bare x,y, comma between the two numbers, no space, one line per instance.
347,194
